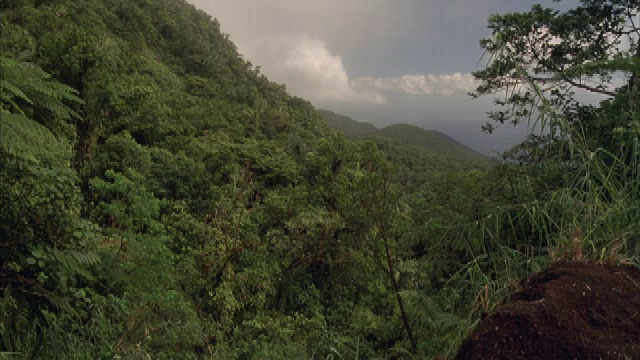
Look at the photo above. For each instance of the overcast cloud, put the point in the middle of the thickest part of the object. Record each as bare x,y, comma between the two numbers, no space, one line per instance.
381,61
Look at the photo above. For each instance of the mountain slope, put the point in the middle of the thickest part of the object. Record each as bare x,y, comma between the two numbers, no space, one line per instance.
351,128
434,143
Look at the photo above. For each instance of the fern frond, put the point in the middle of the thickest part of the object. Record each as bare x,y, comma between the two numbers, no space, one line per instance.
12,105
90,258
76,262
29,140
25,85
7,94
73,259
62,304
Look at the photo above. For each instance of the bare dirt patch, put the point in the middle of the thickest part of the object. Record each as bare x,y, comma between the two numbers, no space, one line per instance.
569,311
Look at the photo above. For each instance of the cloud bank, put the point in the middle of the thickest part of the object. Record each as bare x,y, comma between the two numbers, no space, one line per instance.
311,71
421,84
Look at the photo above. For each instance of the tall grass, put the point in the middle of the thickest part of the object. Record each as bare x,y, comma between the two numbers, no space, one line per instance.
592,216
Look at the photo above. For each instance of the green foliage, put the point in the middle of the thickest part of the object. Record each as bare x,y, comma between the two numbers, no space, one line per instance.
587,160
570,192
412,149
26,139
124,204
27,89
351,128
33,111
48,250
170,201
204,216
434,142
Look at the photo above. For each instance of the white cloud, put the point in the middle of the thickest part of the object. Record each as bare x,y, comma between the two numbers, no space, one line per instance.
421,84
321,76
310,70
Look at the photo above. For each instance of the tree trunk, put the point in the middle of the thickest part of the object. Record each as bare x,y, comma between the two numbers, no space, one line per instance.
396,290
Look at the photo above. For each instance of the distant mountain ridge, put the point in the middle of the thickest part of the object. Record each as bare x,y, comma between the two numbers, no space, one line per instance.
431,141
351,128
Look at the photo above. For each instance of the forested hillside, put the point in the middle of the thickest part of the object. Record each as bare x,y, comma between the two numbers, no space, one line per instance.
418,155
431,141
349,127
160,198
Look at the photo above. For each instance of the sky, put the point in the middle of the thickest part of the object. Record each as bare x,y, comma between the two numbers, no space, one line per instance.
379,61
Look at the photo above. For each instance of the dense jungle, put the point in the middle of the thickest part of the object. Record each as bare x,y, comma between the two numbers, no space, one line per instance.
160,198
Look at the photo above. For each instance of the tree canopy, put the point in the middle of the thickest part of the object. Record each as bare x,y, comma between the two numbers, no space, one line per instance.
162,198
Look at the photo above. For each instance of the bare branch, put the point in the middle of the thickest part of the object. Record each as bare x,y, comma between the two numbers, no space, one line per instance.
587,87
633,25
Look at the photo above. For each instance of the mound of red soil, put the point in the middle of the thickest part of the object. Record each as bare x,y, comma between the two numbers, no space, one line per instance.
569,311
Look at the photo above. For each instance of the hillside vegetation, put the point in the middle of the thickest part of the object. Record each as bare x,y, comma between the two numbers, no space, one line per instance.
417,154
161,198
349,127
431,141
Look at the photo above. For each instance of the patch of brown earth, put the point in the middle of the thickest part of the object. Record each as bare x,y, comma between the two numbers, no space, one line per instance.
569,311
